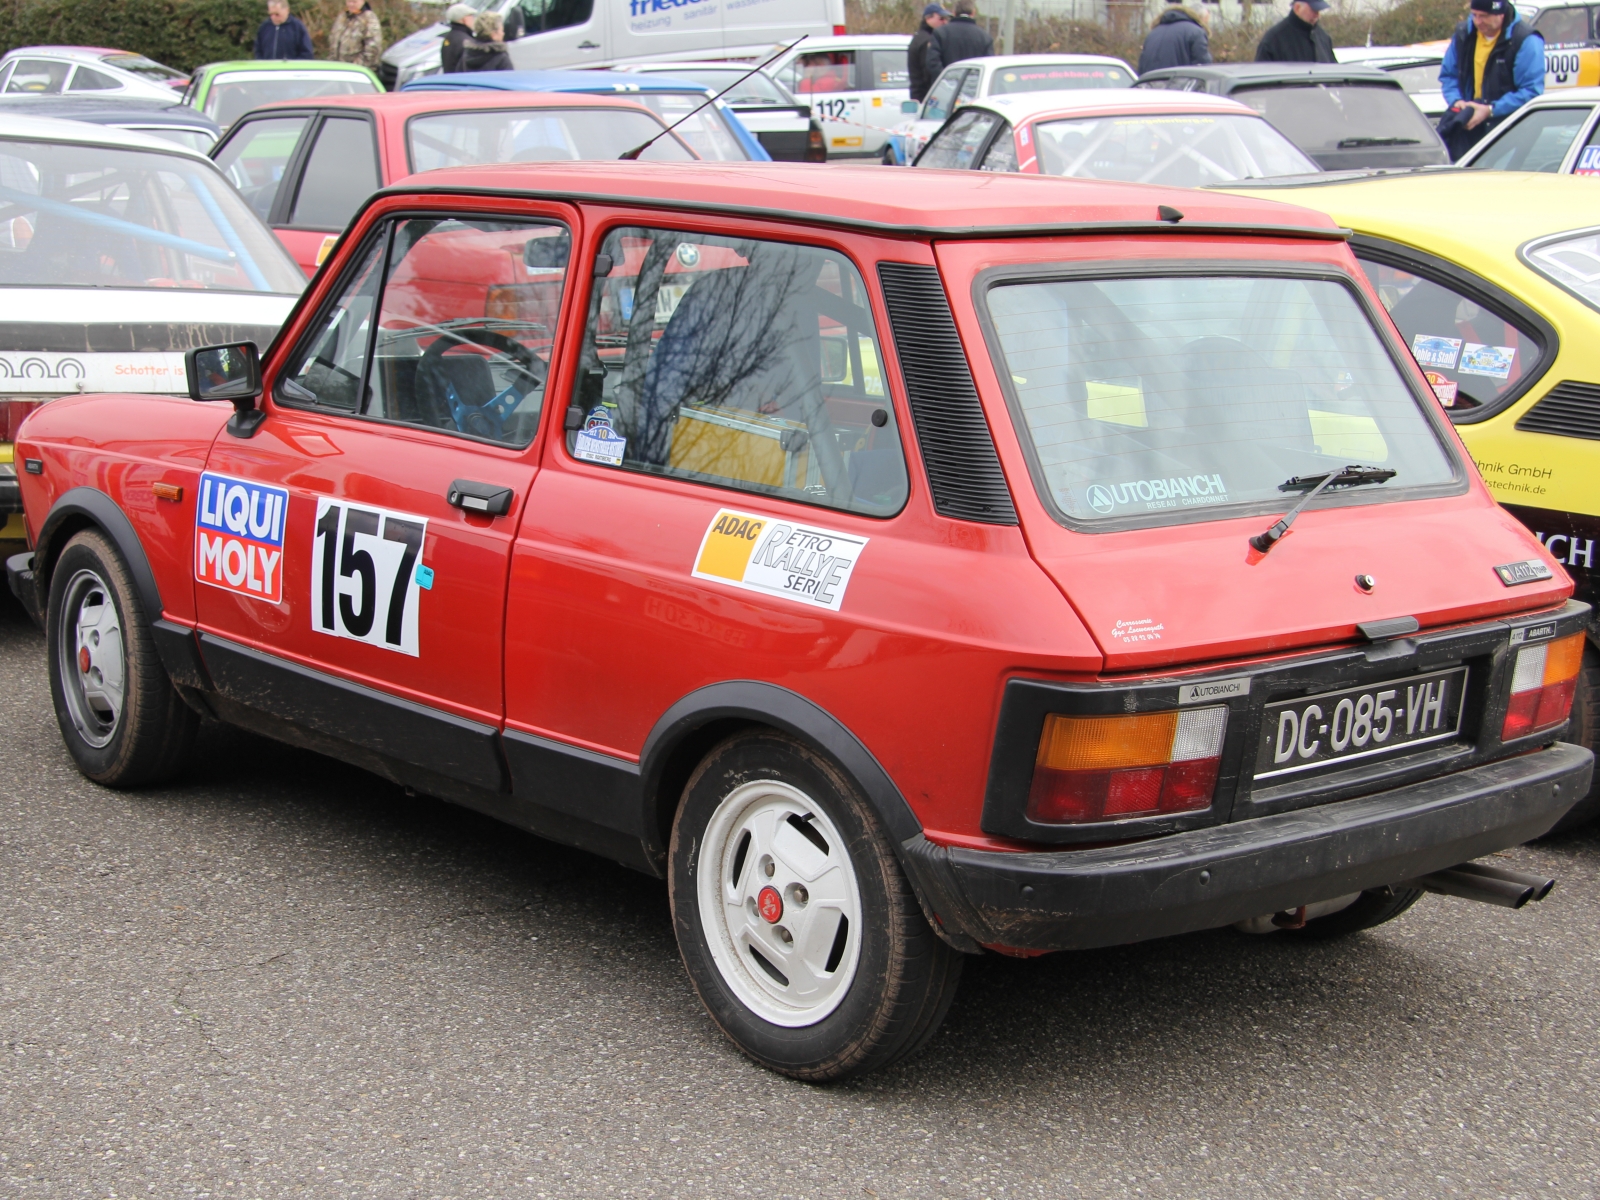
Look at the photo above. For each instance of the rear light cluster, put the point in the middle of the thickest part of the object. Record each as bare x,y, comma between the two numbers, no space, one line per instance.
1542,685
11,414
1108,768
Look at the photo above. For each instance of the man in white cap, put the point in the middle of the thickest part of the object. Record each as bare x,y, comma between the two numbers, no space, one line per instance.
1298,37
460,17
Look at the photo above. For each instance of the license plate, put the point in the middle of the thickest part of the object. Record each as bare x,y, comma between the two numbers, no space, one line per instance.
1361,722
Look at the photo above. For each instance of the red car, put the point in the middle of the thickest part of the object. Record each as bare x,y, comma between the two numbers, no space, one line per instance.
307,166
902,572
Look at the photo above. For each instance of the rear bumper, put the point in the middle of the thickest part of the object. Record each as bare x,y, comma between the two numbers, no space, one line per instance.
1207,878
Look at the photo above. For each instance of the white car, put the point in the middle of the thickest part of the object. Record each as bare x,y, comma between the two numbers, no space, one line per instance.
784,126
118,252
1001,75
87,70
1571,32
1416,67
1555,133
856,87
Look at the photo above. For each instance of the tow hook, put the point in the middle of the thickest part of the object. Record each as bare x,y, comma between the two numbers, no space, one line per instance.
1489,884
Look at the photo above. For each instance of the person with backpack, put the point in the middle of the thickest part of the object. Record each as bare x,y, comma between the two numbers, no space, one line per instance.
1492,67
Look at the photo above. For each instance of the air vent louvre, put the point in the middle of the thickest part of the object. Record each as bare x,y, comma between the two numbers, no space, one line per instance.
1568,410
957,448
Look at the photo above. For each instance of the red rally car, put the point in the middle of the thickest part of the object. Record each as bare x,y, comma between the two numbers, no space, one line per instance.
899,570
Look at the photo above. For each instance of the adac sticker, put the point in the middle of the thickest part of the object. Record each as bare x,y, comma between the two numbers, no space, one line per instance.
779,558
238,536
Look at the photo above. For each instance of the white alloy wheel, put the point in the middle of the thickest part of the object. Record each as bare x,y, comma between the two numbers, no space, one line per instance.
779,903
93,663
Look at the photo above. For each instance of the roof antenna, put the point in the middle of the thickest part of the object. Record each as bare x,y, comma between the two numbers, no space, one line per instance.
631,155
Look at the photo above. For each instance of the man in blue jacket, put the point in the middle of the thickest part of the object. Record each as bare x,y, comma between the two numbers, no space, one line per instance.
1492,67
282,35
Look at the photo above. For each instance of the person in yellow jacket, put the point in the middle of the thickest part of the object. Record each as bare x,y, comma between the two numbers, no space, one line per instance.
356,36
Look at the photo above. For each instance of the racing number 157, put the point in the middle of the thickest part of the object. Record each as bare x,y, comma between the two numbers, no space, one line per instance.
364,574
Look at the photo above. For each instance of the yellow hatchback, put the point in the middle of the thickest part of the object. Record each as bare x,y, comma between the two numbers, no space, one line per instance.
1493,278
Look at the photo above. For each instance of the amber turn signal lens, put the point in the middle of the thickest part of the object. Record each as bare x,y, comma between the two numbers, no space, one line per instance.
1107,768
1542,686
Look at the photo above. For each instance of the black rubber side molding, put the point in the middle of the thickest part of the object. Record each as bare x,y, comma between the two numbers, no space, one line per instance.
957,449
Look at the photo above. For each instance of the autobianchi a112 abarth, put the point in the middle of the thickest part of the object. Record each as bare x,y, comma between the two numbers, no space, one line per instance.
899,570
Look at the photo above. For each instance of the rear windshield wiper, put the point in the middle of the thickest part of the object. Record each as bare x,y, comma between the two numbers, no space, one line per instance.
1351,476
1355,142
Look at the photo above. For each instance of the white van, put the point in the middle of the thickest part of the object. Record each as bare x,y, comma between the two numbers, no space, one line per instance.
595,33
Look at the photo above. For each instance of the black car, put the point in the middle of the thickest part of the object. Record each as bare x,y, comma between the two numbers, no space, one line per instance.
158,118
1341,115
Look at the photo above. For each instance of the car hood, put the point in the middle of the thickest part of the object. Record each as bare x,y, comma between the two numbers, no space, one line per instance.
62,340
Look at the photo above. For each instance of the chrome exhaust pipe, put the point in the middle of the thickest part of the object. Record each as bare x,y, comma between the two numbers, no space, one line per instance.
1488,884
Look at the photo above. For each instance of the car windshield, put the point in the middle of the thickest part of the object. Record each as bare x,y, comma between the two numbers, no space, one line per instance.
1319,118
88,216
754,89
138,64
1150,397
535,135
190,139
1056,77
1181,150
231,98
1538,142
707,131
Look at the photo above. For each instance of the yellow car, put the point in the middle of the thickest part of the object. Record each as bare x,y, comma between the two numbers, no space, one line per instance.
1493,278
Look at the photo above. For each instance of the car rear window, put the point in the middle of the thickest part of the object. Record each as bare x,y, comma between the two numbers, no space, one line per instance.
1538,142
1183,150
1150,398
704,126
1321,119
748,364
458,139
88,216
1057,77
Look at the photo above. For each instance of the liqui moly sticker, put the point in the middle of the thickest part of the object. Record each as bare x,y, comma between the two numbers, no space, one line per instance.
779,558
238,536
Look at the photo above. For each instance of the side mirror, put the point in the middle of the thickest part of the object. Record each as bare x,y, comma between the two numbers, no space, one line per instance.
547,253
909,106
230,373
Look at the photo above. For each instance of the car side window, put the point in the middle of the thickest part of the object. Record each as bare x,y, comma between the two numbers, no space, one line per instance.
256,157
969,86
37,77
1471,354
1563,26
942,95
1002,152
462,340
752,365
825,71
1538,142
1588,162
87,79
340,173
955,145
889,70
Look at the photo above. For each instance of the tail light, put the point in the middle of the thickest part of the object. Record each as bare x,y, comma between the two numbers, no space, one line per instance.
1107,768
1542,685
840,30
816,148
12,413
513,302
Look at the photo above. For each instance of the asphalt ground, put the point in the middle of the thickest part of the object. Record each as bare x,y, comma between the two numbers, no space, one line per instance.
284,977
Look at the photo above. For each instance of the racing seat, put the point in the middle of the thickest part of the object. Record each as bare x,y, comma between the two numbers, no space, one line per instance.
427,402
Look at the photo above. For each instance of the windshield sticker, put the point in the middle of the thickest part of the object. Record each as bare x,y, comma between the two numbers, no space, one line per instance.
1143,630
1493,361
364,578
1443,388
1175,492
1433,351
597,441
779,558
1588,161
238,536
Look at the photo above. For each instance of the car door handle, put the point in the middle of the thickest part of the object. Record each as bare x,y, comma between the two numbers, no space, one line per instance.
472,496
588,45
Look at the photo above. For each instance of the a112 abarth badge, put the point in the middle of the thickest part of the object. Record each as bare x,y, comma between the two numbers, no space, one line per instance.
778,558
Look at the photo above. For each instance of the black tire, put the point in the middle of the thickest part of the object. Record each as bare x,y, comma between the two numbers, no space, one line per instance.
1373,907
889,160
141,735
901,979
1583,730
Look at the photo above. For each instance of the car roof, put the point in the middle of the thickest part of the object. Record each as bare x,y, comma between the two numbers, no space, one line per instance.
1029,106
597,83
405,104
851,41
657,68
997,62
103,111
1581,95
79,53
51,129
964,204
281,64
1275,73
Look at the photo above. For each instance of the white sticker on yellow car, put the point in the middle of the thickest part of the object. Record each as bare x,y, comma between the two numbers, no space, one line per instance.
364,574
779,558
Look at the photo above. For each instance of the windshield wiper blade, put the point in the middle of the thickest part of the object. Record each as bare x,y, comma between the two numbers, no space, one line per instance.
1355,142
1351,476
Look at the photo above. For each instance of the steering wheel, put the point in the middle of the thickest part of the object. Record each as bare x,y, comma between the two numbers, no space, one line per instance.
487,420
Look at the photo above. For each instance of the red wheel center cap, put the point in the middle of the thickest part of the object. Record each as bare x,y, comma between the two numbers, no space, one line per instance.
83,659
770,904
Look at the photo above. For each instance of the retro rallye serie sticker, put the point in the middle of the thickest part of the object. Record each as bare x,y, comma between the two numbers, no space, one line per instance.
238,536
779,558
364,574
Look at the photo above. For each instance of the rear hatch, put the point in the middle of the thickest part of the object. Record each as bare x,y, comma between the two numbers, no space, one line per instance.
1349,124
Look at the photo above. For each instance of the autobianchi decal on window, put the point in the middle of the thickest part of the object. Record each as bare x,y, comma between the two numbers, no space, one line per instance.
367,574
778,558
238,536
1176,492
